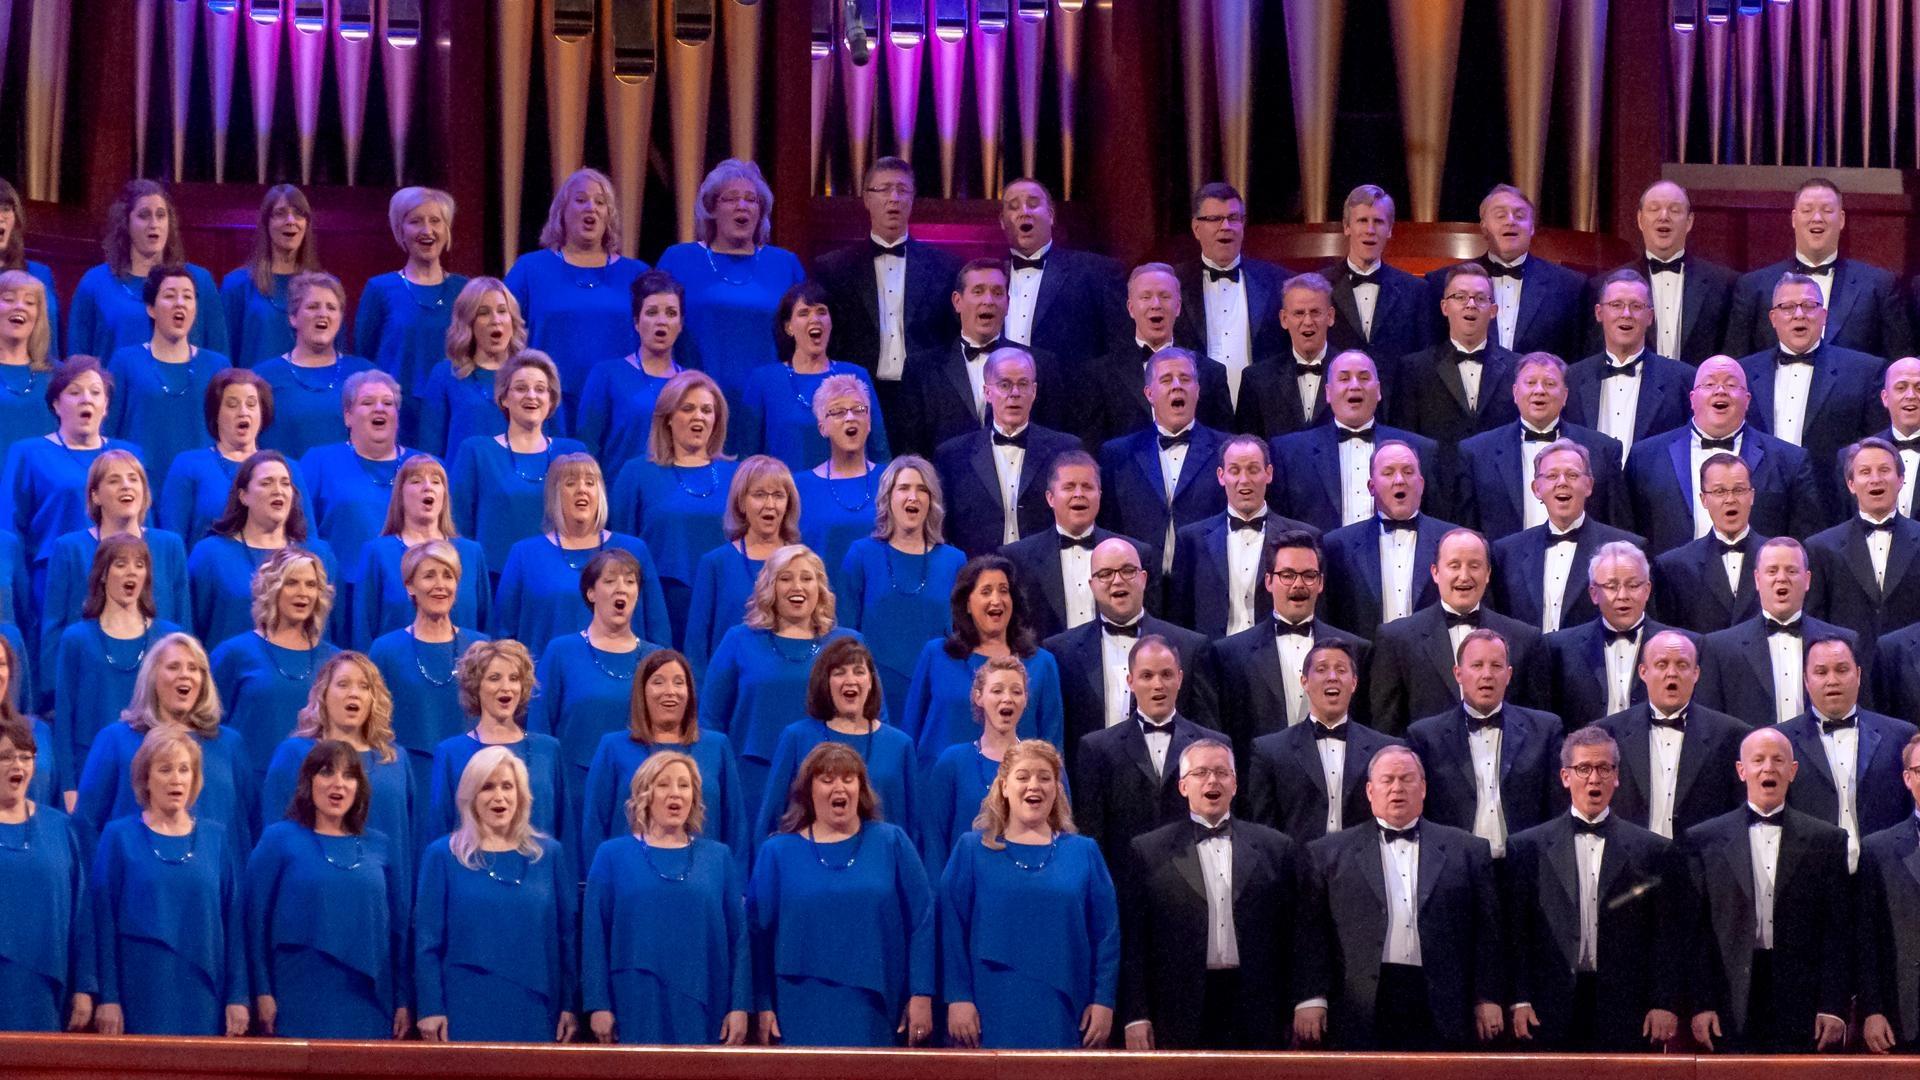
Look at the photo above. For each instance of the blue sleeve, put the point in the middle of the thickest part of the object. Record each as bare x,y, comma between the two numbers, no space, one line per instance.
1049,715
276,789
596,411
442,816
878,449
433,415
624,513
735,824
917,896
658,627
474,561
233,301
598,801
773,800
464,488
853,589
399,925
506,601
83,319
720,688
563,817
69,672
914,719
701,636
209,330
936,817
203,583
741,999
369,324
549,696
748,429
956,924
519,282
171,590
1103,928
763,917
365,601
566,893
66,595
262,886
100,783
596,937
106,889
233,905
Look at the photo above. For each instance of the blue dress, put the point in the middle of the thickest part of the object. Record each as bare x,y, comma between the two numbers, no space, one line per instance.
493,986
350,495
900,602
576,314
546,781
70,563
584,693
56,327
92,682
610,781
158,404
52,776
663,941
171,924
730,304
498,495
722,585
109,314
456,408
776,416
23,403
220,576
47,951
423,679
327,921
754,688
831,980
257,326
380,601
677,512
616,412
939,710
228,791
45,493
950,799
392,806
402,328
263,687
306,403
892,772
194,493
539,595
1030,935
834,514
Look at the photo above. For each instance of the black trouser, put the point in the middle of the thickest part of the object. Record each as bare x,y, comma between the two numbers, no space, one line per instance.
1402,1018
1765,1032
1220,1014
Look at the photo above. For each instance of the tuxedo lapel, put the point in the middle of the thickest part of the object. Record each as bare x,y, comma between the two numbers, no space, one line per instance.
1680,453
1347,310
1811,752
1860,560
1094,669
1532,288
1433,860
1186,859
869,289
1841,297
1636,759
1760,386
1051,584
1496,374
1758,658
1033,463
1566,869
1449,373
1053,281
1693,759
1325,449
1507,461
1306,753
1136,743
1654,389
1739,857
985,469
1513,743
955,369
1438,647
1900,554
1869,736
1201,455
1691,300
1820,387
1146,456
1793,849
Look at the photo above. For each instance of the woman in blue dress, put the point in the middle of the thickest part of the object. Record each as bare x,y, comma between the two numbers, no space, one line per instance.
899,580
839,493
26,364
167,909
763,516
53,778
264,677
1029,923
401,324
143,231
474,983
13,259
238,406
675,497
987,622
574,289
822,979
263,515
418,512
352,482
665,955
255,295
327,912
959,780
538,598
776,408
456,395
47,962
420,661
154,379
496,690
734,277
174,688
499,481
45,478
843,706
307,379
616,405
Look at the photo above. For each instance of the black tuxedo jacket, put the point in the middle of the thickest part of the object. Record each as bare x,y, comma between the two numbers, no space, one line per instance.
1269,404
1163,940
1736,671
1043,592
1880,798
1412,672
1641,898
1252,686
1491,482
1690,585
1423,393
1350,558
1530,789
1112,401
1843,405
974,510
1887,920
1287,789
1262,281
1346,915
1553,311
1081,311
1662,485
854,293
1865,311
1660,406
936,397
1896,674
1133,497
1573,670
1307,484
1402,315
1812,924
1196,593
1843,590
1083,687
1116,793
1705,298
1705,784
1520,573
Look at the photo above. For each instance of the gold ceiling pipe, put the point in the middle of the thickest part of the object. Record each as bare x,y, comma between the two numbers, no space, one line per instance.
1683,24
1426,54
513,48
691,25
820,64
1029,64
1195,32
1746,43
49,30
144,14
859,75
1839,41
307,41
1896,40
1809,41
990,22
1530,32
741,25
223,38
183,24
1779,61
1583,77
1315,30
1236,32
262,24
1069,35
906,36
949,52
1718,29
1863,15
353,23
629,69
401,25
566,42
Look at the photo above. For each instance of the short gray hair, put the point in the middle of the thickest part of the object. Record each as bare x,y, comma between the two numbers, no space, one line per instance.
1591,735
1567,446
1618,549
1206,744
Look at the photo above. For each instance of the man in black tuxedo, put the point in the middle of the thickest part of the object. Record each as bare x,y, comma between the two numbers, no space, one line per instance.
1374,566
1674,751
1752,670
1540,575
1218,582
1496,470
1109,404
1414,658
1539,302
1055,565
1704,584
1379,309
1663,471
1623,388
1771,931
1156,479
1591,968
1404,960
1887,919
1587,670
1852,755
1286,391
1900,394
1690,295
889,294
995,477
1093,657
1863,573
1126,777
1323,471
1307,780
1257,671
1065,303
1231,304
1459,386
943,394
1209,922
1868,314
1894,673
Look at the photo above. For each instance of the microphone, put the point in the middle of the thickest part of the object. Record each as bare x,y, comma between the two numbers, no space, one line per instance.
1632,894
859,45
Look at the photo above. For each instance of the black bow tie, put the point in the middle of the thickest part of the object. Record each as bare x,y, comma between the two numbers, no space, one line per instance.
1775,627
1571,536
1755,817
1283,628
1590,828
1301,367
898,250
1783,358
974,352
1076,541
1469,619
1845,723
1678,721
1825,268
1337,733
1527,434
1610,635
1203,832
1904,445
1495,720
1168,442
1231,273
1038,262
1235,524
1388,524
1365,435
1670,266
1627,370
1357,278
1726,444
1019,440
1411,833
1148,727
1462,357
1878,526
1501,270
1131,630
1727,548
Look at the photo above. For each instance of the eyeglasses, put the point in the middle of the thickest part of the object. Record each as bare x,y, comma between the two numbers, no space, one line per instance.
1013,386
1800,307
1216,219
1112,573
1738,491
1290,577
1199,772
1469,299
764,496
842,413
1627,307
19,757
741,198
1588,770
1557,476
1633,585
901,190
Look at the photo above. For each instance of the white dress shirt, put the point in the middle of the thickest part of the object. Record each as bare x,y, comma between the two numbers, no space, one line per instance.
1879,542
977,375
1007,463
1789,693
1333,767
1243,573
1076,582
1216,874
1456,634
1620,657
1172,460
1229,333
1292,650
1734,562
1843,758
1506,299
1910,462
1308,383
1791,384
1157,742
1365,298
1400,864
1663,760
1532,511
1702,524
1113,670
1589,849
1822,275
1558,567
1470,371
1356,465
1489,818
1763,842
890,286
1620,400
1396,572
1023,292
1669,307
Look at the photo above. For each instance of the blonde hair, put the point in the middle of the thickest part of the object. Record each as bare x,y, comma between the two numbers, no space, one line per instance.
733,522
97,475
312,721
640,814
936,519
993,666
473,669
143,708
307,281
527,358
271,578
397,502
461,344
465,840
407,200
564,468
40,340
760,606
441,551
553,235
994,809
159,741
660,438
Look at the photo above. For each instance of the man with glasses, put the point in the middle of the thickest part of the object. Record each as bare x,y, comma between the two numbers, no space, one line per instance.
1109,404
1754,669
1690,295
995,477
943,394
1378,308
1888,917
1299,779
1208,968
1053,567
1703,585
1673,750
1593,965
1538,302
1540,574
1588,668
1863,573
1218,581
1459,386
1287,391
1494,486
1626,389
1231,304
1851,768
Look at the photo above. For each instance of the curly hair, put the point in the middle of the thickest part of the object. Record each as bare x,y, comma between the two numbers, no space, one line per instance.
761,605
377,730
965,637
233,519
461,344
553,235
472,672
271,578
995,811
639,812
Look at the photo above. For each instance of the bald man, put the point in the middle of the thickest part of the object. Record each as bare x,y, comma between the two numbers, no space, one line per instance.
1673,750
1900,396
